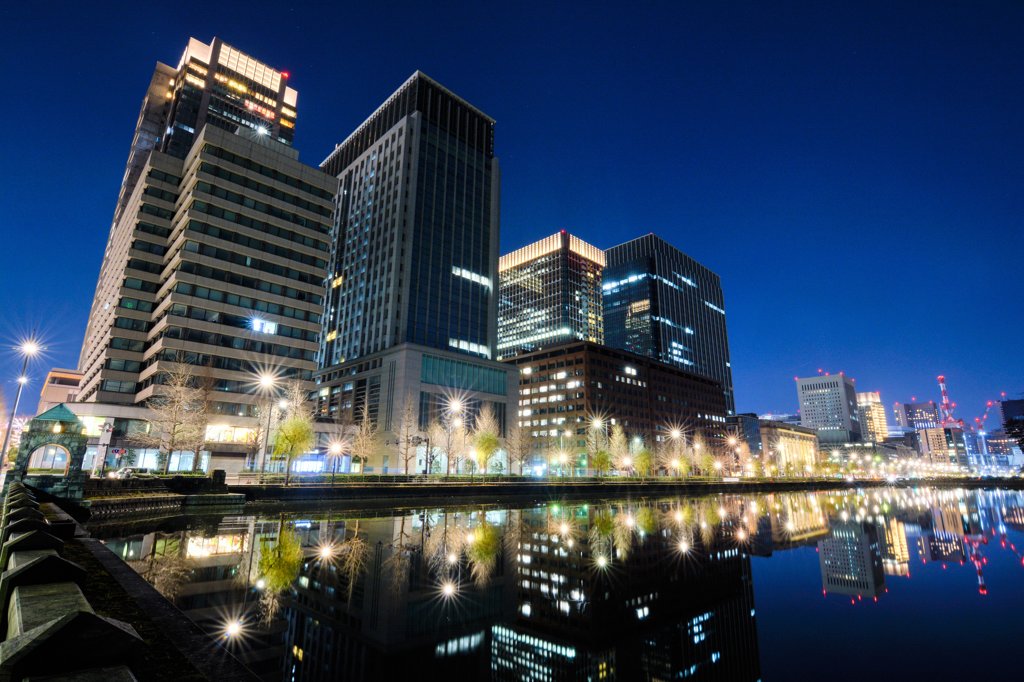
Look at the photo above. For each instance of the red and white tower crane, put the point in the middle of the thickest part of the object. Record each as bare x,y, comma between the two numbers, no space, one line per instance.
947,406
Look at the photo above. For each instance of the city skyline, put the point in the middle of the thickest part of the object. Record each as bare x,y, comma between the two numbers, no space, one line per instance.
776,331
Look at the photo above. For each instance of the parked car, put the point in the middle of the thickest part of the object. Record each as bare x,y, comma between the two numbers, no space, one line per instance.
132,472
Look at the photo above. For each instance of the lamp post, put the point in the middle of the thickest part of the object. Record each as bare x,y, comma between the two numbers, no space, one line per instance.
334,450
677,437
454,421
28,349
267,382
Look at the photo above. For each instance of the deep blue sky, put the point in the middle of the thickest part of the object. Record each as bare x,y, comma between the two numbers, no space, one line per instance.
852,170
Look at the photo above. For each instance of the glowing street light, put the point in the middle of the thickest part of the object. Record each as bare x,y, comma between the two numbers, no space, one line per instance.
29,348
448,589
266,381
455,406
326,552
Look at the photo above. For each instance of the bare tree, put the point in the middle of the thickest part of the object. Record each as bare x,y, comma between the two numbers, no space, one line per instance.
518,445
449,437
407,428
364,443
204,385
176,415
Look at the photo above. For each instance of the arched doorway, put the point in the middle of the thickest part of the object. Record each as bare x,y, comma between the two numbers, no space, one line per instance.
49,459
357,465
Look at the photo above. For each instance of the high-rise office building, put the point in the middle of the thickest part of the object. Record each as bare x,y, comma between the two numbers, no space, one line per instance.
412,300
212,83
549,292
219,251
917,416
828,403
871,411
661,303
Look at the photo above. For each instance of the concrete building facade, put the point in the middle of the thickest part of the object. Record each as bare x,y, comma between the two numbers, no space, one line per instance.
60,386
828,404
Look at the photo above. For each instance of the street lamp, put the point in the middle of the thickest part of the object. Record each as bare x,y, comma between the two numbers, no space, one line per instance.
267,383
334,450
28,349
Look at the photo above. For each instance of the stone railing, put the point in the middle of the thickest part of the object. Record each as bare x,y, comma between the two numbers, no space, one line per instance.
47,625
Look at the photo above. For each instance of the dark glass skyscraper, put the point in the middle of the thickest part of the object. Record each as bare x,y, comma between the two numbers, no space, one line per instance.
661,303
416,253
412,301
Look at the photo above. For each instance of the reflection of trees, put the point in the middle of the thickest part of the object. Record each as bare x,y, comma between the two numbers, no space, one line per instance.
396,566
483,552
279,566
352,557
165,572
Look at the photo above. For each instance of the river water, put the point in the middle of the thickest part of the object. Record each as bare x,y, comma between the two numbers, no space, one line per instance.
885,583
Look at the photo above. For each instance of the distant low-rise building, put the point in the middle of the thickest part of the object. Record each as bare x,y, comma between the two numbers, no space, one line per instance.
566,390
61,386
789,448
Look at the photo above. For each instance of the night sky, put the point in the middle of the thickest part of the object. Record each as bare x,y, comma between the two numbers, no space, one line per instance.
853,171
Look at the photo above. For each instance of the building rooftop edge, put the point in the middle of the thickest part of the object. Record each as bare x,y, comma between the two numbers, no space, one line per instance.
408,81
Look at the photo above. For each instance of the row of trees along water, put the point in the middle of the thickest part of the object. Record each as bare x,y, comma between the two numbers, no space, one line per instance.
458,441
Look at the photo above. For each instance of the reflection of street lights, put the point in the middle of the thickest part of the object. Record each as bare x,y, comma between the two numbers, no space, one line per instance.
233,629
28,349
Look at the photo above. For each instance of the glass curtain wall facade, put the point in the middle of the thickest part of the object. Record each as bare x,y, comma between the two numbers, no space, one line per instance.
549,293
661,303
415,254
414,263
873,423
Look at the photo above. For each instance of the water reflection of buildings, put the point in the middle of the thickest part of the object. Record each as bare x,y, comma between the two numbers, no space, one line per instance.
850,560
565,601
894,547
202,570
615,591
